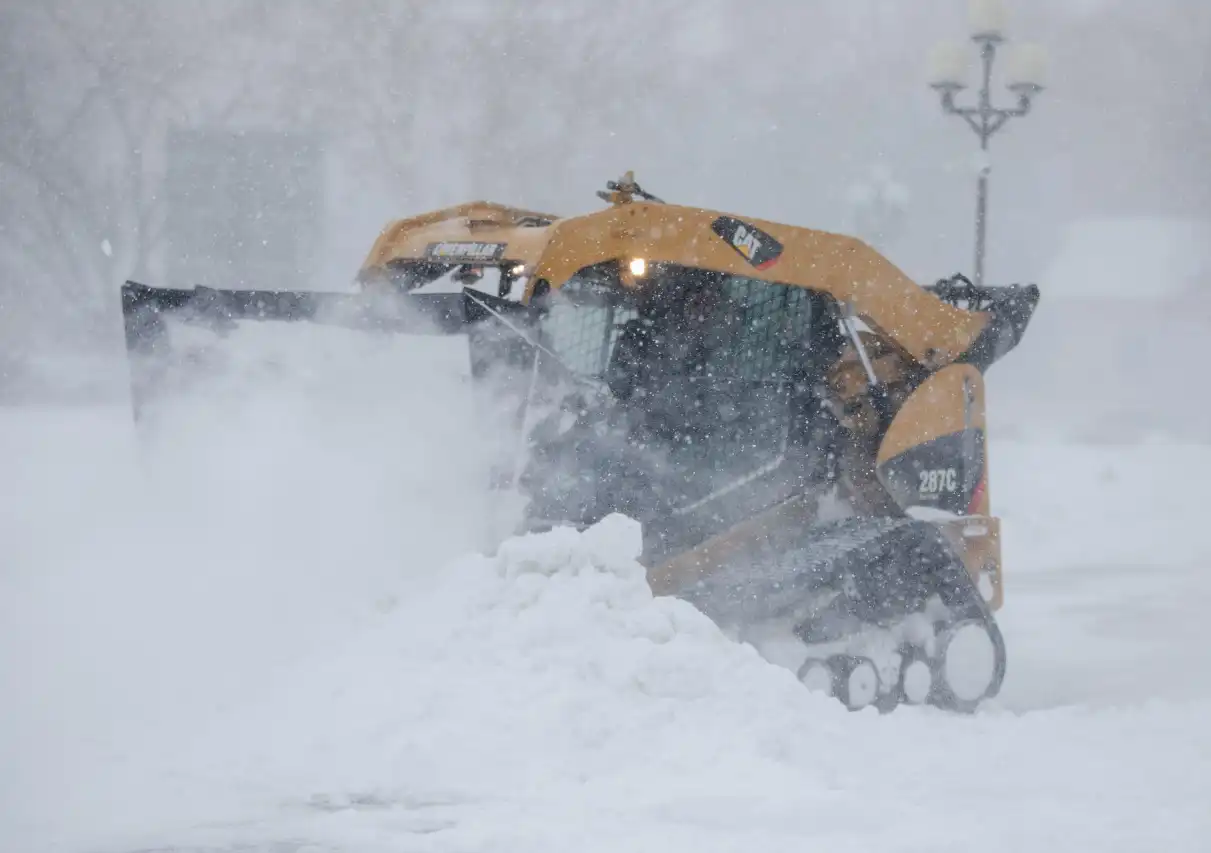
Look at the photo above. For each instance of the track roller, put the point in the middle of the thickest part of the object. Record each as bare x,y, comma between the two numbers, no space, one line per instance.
817,676
855,680
916,677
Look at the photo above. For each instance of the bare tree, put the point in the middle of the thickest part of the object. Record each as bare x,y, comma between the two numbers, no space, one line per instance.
89,89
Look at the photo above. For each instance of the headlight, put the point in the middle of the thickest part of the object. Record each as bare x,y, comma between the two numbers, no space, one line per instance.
638,266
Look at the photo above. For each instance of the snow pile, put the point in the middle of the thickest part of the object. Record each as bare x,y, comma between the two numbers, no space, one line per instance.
543,699
549,664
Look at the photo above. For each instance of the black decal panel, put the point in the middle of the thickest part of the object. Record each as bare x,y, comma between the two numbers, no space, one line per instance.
944,473
750,242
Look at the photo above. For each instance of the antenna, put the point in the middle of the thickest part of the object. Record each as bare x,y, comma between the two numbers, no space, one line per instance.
624,190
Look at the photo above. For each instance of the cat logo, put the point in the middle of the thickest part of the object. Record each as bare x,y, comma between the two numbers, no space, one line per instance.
746,242
751,243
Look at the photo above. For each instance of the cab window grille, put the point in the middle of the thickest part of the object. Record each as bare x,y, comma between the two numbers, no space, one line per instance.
583,335
770,323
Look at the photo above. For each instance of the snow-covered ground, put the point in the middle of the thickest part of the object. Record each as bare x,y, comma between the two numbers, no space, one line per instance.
266,626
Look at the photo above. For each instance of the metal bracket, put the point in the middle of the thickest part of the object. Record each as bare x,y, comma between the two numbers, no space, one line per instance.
849,320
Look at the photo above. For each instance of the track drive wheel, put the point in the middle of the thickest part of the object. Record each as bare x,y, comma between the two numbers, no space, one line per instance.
968,666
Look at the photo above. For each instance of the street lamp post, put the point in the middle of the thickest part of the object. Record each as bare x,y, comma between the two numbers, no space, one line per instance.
949,76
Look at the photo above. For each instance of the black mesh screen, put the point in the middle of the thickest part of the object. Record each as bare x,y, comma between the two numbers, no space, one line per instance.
773,322
582,329
760,326
583,336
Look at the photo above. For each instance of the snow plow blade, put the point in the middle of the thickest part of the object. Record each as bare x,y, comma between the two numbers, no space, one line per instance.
143,308
154,316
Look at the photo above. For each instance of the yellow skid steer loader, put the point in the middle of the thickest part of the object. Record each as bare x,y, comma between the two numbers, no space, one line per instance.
799,427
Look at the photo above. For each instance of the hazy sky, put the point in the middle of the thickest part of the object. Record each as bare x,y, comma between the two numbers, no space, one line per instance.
773,108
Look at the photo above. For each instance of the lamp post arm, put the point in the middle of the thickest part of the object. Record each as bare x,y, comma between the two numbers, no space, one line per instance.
968,114
1002,116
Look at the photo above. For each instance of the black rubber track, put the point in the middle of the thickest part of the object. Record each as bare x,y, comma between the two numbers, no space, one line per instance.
880,570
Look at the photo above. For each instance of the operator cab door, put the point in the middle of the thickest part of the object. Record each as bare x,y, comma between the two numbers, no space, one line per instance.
712,379
743,450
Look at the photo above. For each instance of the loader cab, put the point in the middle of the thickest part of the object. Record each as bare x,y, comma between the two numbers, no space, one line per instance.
715,381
